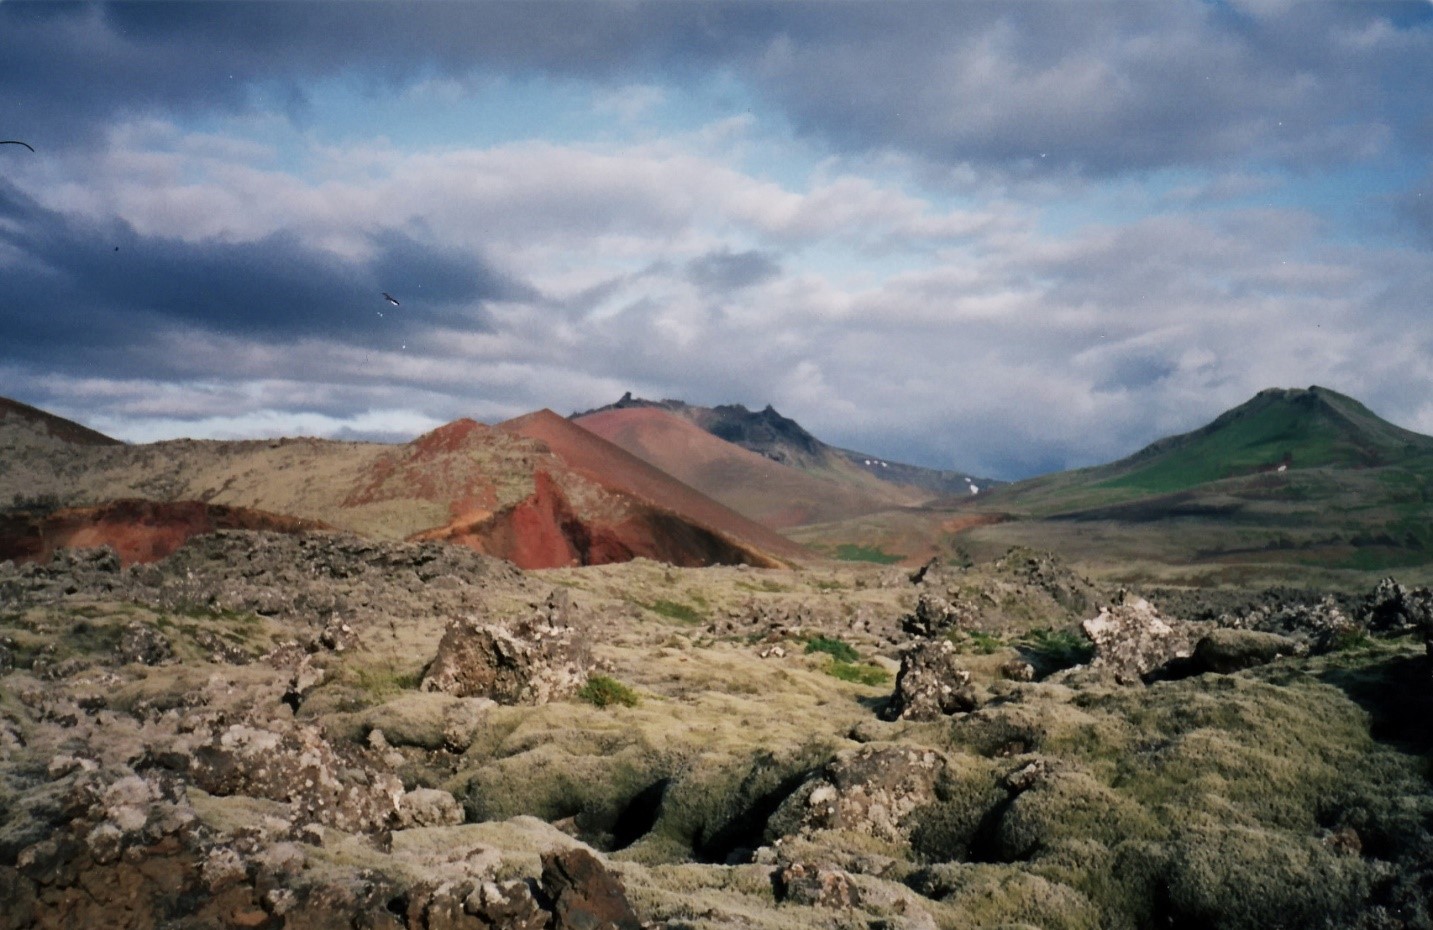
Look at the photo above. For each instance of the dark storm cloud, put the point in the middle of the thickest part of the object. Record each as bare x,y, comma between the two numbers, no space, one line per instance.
67,69
725,270
75,287
1094,87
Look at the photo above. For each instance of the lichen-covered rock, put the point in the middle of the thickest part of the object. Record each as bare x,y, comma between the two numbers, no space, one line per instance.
1132,639
506,905
873,791
816,886
428,807
934,615
930,684
540,659
1226,651
585,894
143,644
298,766
1395,609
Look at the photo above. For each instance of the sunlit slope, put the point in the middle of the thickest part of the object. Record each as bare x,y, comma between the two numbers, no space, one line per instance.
1285,435
1306,478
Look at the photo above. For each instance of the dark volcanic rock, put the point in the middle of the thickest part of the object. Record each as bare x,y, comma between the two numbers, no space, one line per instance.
934,615
930,683
585,894
1394,609
816,886
144,644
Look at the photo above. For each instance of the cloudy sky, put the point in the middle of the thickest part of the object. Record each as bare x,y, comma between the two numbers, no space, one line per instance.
1007,237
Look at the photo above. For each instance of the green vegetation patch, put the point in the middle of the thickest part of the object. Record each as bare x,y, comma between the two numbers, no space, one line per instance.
833,646
675,610
853,552
860,674
601,691
1057,649
976,641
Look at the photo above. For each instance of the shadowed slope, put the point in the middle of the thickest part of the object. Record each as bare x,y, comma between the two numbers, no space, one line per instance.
773,494
781,439
17,419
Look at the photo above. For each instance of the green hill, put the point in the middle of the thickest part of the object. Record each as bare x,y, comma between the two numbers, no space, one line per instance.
1292,480
1277,429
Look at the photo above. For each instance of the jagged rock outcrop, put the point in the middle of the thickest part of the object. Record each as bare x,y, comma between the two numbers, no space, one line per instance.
1132,639
1394,609
1022,584
931,684
1322,624
542,658
934,615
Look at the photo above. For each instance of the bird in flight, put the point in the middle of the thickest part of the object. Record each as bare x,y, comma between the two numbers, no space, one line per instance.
390,298
18,142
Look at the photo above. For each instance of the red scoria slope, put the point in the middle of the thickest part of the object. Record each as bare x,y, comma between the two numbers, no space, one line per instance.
617,470
137,530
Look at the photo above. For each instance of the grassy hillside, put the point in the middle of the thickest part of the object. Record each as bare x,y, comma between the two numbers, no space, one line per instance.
1278,429
1293,481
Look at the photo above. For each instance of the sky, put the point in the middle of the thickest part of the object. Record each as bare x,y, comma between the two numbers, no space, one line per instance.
1007,238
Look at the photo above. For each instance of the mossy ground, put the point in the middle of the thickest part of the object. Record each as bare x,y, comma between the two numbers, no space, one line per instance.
1222,801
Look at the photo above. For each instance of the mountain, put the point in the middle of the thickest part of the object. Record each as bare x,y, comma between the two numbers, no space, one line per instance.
609,466
507,491
783,440
1292,479
23,425
775,494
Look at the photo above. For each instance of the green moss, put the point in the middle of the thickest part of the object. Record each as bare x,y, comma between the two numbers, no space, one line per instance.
833,646
601,691
851,552
870,675
718,803
378,682
975,641
674,610
1057,649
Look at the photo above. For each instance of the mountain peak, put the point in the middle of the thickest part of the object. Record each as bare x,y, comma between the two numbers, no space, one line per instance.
1275,430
